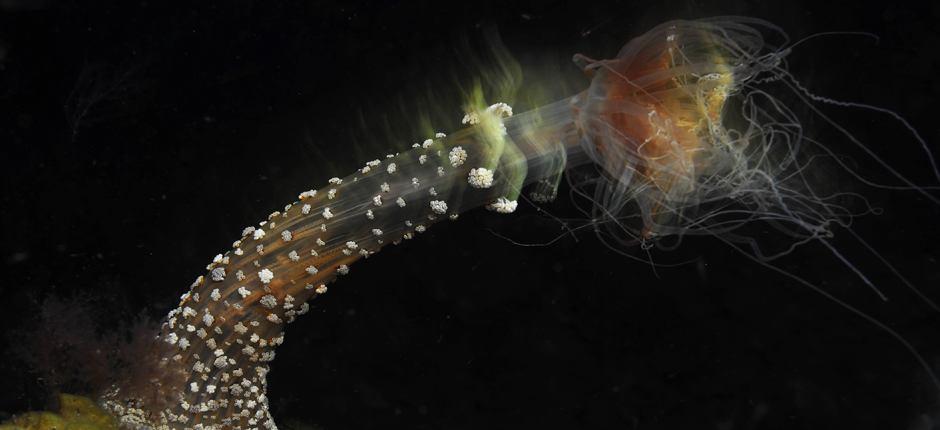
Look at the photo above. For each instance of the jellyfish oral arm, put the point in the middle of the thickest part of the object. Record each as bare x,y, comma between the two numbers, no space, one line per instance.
216,345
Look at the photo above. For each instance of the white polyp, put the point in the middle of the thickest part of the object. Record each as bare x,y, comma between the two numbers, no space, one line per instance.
439,206
503,205
480,178
265,276
457,156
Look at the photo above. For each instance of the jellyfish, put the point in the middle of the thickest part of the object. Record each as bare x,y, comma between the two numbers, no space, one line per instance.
679,128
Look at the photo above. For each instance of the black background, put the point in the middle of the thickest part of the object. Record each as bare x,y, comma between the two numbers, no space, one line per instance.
225,110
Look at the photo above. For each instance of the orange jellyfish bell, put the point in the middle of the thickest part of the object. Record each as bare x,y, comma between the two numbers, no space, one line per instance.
652,118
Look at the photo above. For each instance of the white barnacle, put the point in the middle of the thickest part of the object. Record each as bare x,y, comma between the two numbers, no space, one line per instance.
427,143
415,182
392,167
440,171
432,191
268,301
422,159
400,201
320,242
420,228
221,362
240,328
480,178
184,343
171,338
335,181
347,252
471,118
307,194
385,187
369,214
215,295
457,156
207,319
501,110
218,274
327,214
374,163
240,275
274,318
305,209
376,232
217,259
439,135
293,256
244,292
439,206
188,312
258,234
194,387
311,270
352,245
342,269
287,235
238,251
503,205
331,193
260,248
265,276
247,231
377,200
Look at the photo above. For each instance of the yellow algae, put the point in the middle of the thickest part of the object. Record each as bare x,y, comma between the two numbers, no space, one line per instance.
75,413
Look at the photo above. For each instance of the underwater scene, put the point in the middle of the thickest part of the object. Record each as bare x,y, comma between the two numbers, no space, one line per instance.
469,215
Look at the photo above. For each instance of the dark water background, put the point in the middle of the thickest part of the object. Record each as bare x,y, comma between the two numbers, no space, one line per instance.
213,115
